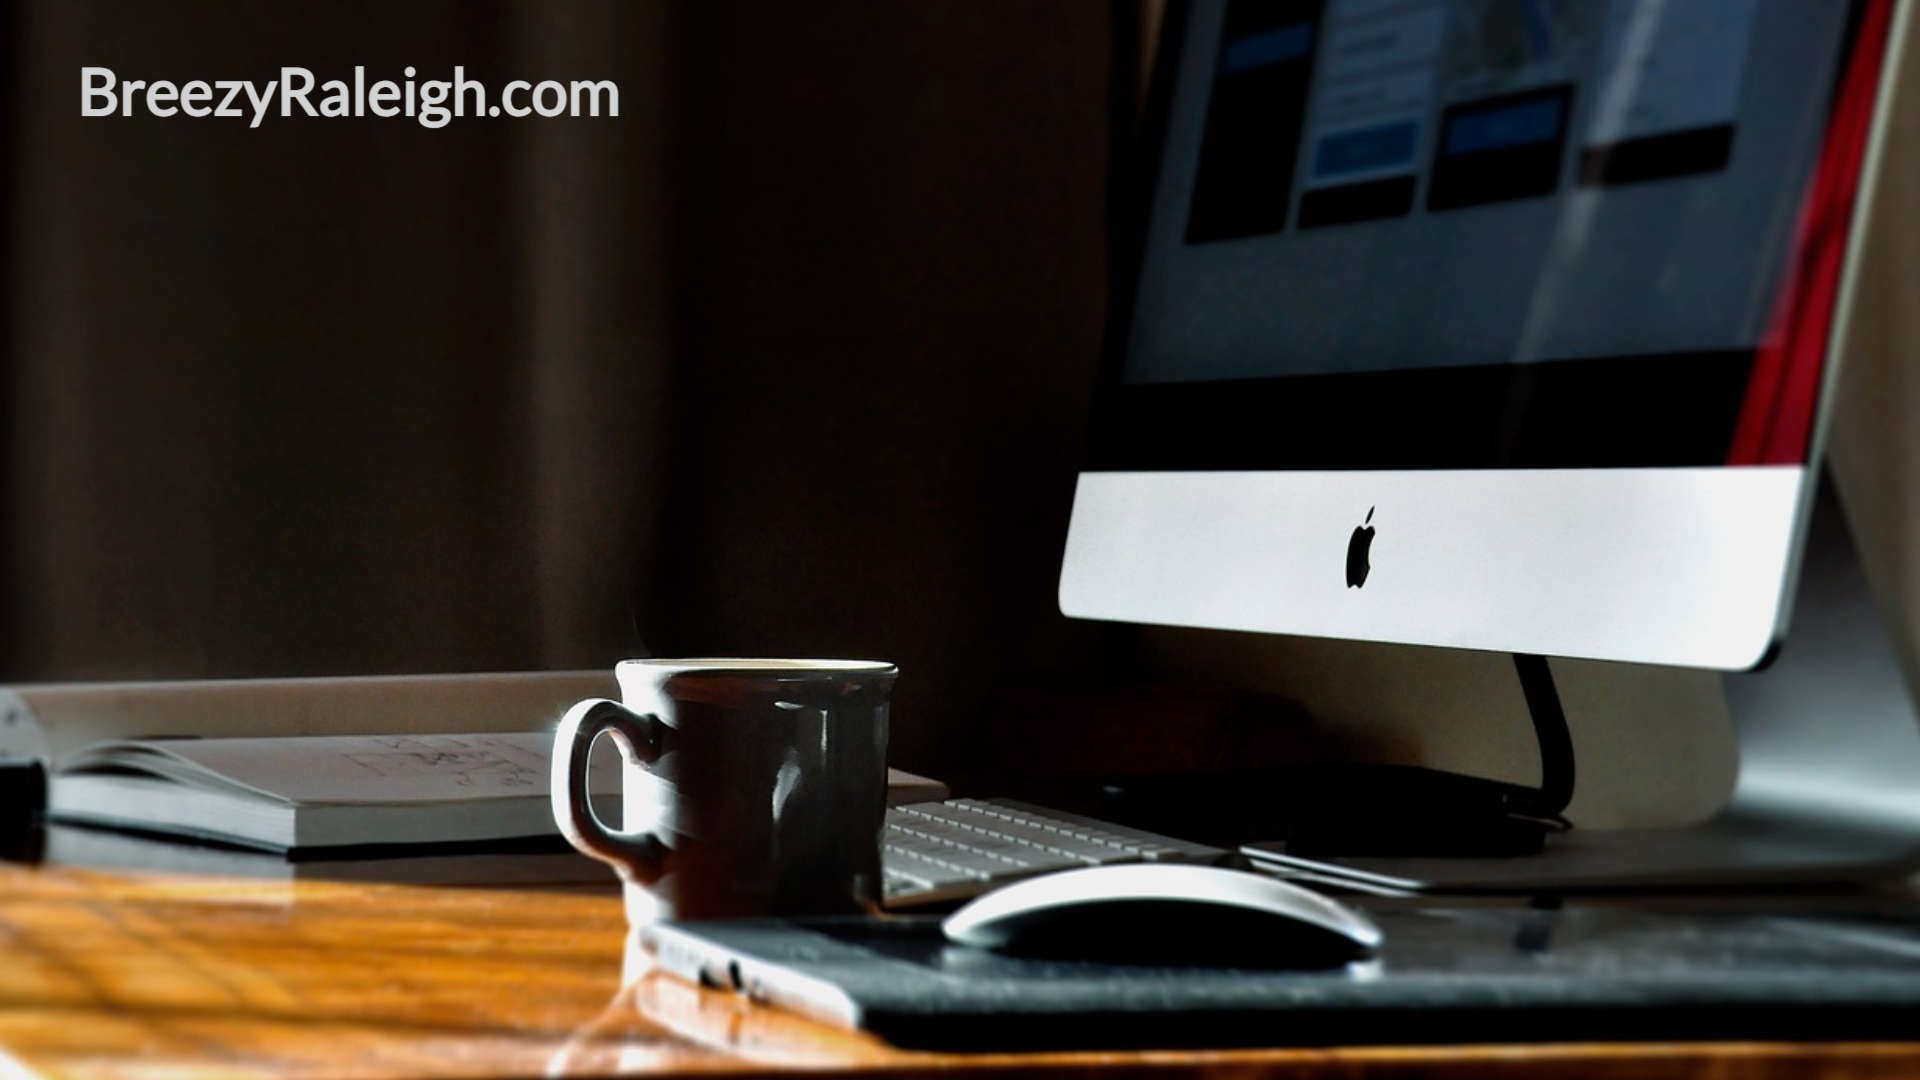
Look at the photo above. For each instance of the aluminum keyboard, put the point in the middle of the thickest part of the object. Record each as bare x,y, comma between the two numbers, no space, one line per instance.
951,850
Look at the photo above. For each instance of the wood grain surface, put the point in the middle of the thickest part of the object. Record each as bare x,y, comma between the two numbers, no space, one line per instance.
154,976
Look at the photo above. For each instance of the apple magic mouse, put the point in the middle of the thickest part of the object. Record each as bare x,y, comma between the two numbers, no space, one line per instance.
1161,913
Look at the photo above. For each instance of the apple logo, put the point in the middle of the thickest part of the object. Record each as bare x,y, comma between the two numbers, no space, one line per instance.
1357,564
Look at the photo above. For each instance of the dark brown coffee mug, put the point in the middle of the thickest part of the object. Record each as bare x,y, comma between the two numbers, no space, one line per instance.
750,787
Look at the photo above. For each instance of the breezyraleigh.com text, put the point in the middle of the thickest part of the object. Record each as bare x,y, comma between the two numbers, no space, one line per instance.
297,92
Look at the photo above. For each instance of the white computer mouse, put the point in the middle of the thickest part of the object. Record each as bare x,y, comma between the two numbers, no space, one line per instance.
1161,913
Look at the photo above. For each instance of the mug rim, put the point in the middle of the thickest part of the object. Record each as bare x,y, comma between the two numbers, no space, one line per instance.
758,664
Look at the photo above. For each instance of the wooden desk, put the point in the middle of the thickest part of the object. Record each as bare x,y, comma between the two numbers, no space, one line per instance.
104,975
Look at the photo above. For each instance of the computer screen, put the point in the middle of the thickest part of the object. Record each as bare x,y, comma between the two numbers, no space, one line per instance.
1393,260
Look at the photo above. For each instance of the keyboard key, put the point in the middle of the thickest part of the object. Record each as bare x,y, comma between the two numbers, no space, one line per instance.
935,870
896,883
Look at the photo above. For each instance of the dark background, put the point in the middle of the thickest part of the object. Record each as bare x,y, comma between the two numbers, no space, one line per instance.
791,358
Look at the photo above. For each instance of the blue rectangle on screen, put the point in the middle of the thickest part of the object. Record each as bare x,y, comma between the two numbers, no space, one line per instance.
1506,126
1365,149
1280,45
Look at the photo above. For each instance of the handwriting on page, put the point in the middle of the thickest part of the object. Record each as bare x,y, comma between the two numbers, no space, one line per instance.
494,767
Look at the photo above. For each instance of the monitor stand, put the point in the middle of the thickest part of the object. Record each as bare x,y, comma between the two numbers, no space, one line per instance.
1829,784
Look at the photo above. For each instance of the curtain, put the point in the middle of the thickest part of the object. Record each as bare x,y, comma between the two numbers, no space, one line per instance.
328,396
793,357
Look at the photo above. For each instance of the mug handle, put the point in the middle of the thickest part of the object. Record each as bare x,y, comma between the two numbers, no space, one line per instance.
641,738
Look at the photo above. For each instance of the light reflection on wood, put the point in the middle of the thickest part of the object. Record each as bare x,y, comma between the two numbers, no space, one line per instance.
159,977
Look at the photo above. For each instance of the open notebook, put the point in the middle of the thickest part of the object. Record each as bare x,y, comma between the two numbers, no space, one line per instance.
322,791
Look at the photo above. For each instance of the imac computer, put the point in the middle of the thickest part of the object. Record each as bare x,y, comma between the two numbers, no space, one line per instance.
1505,325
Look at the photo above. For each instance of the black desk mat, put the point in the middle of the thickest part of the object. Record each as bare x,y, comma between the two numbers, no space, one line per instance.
1445,976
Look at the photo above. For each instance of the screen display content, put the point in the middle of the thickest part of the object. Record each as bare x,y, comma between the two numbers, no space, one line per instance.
1391,234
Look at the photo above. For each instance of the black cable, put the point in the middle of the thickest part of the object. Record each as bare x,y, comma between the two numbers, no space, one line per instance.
1550,731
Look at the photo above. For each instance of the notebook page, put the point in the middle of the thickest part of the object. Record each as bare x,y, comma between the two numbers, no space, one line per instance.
363,768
